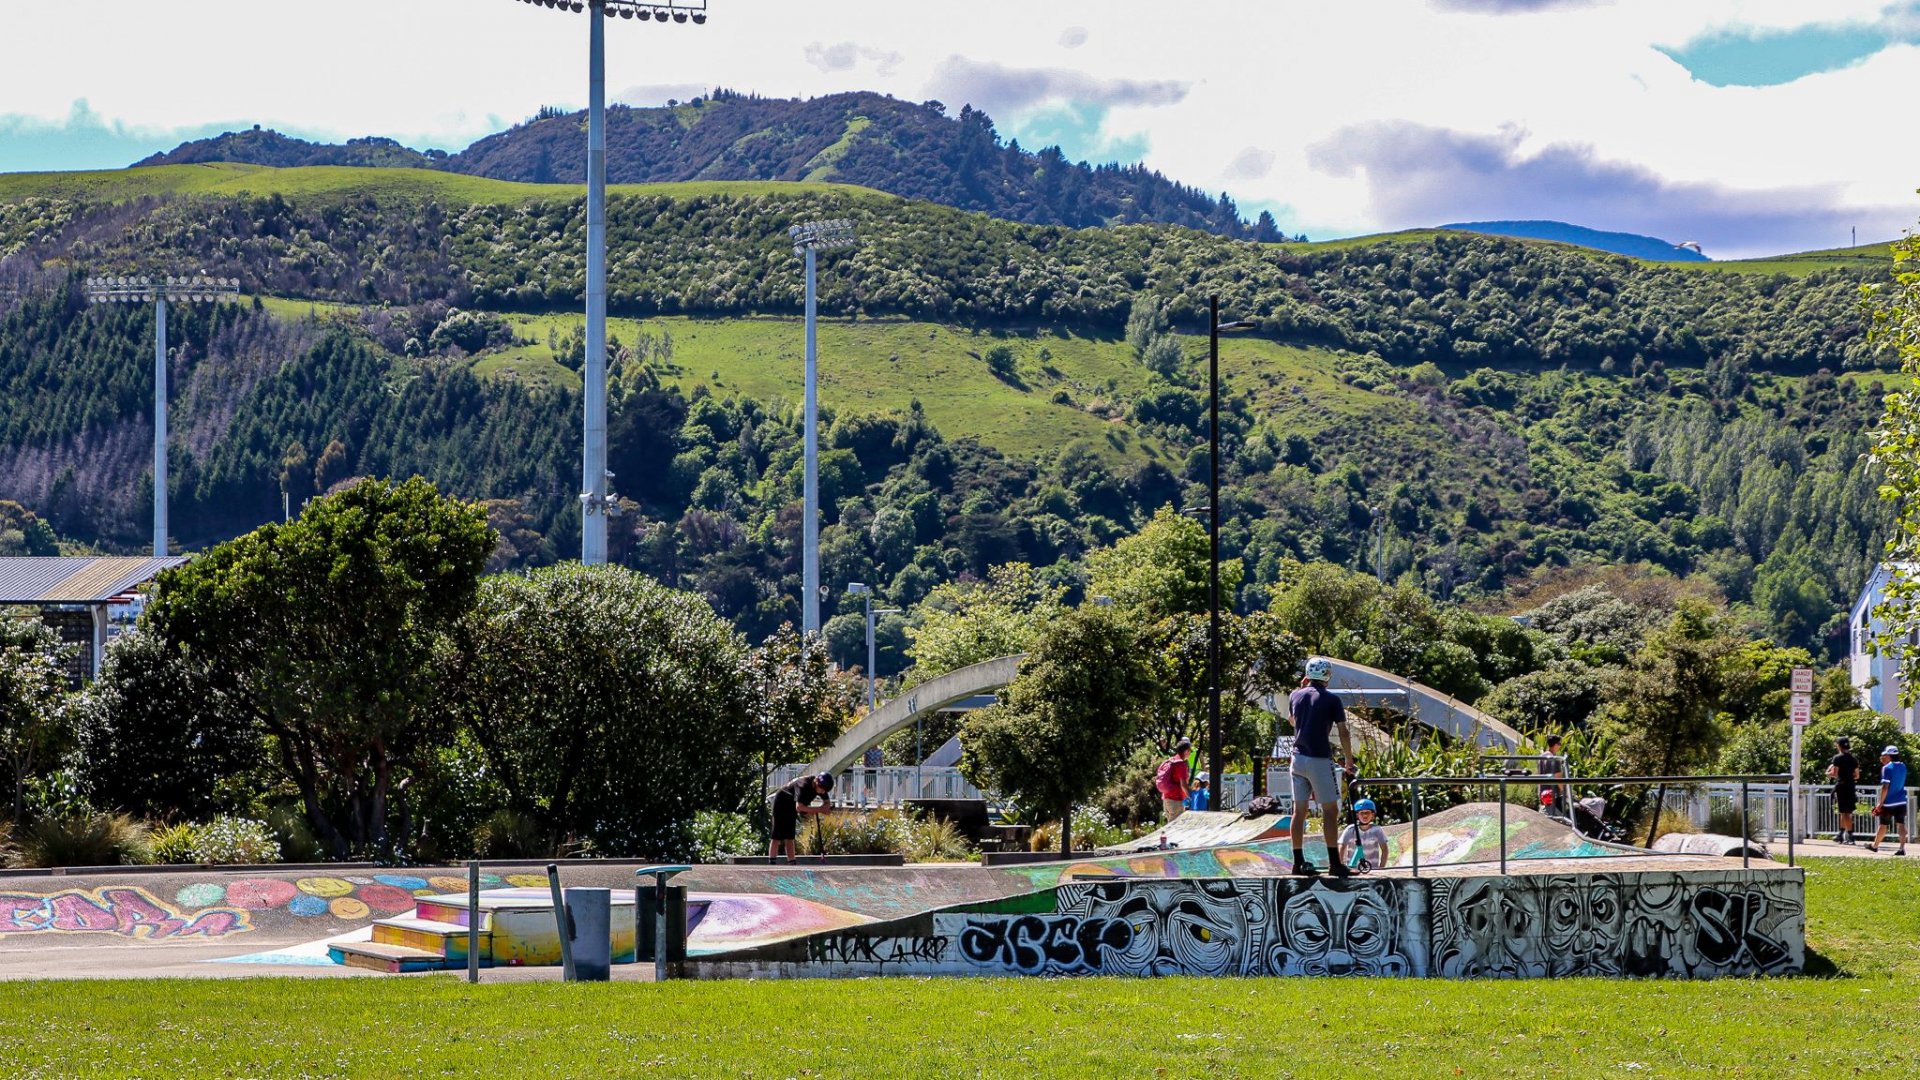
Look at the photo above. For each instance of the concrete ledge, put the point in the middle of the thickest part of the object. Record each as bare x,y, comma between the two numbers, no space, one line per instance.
820,860
1022,858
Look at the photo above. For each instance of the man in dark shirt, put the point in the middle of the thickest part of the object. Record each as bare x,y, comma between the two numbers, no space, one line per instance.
1844,771
788,802
1316,711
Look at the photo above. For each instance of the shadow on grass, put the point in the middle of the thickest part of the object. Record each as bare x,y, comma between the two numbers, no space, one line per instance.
1822,966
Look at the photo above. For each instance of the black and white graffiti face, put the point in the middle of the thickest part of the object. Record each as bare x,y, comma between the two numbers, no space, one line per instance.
1351,931
1487,927
1583,924
1190,928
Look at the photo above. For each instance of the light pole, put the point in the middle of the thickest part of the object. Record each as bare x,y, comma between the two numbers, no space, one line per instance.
141,290
597,502
810,237
856,588
1214,329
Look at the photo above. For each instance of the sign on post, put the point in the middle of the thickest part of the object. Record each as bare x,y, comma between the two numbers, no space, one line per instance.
1801,711
1802,680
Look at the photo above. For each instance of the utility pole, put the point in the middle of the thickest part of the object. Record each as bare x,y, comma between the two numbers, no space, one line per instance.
142,290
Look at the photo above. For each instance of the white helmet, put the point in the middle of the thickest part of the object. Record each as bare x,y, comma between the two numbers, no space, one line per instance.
1319,669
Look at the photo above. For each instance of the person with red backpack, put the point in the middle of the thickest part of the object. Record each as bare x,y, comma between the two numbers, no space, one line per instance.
1171,780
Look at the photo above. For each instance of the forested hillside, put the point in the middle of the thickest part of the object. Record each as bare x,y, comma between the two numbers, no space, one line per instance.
1469,414
915,151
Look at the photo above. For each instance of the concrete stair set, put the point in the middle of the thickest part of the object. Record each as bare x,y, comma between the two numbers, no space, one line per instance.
516,928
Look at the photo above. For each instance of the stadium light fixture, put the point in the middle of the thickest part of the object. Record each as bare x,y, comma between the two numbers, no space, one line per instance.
194,289
810,237
597,501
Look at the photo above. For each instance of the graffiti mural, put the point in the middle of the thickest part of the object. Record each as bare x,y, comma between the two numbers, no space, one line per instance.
1676,924
126,912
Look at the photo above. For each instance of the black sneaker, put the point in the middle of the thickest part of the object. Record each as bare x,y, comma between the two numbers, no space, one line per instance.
1303,868
1339,869
1899,851
1871,847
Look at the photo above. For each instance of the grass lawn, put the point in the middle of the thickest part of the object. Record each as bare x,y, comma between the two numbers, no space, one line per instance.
1861,1017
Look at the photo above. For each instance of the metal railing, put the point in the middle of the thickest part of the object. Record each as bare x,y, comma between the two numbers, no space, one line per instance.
1815,813
893,786
1504,782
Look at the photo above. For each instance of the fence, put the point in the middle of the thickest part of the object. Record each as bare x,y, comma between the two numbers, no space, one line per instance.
1767,806
894,785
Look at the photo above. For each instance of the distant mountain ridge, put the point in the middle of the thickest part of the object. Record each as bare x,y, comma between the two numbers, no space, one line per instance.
1631,244
914,150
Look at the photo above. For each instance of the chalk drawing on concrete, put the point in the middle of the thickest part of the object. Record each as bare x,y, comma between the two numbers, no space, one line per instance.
126,912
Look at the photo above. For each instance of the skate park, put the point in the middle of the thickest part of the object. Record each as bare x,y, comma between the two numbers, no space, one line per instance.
1486,889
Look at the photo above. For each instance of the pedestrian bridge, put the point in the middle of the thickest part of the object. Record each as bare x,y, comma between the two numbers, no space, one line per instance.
1358,684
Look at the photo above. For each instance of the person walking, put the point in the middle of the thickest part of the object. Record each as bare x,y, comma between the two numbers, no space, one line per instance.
1844,771
788,802
1200,797
1554,764
1316,712
1171,780
1891,806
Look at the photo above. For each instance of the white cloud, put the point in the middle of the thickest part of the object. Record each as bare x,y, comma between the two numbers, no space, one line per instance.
1233,102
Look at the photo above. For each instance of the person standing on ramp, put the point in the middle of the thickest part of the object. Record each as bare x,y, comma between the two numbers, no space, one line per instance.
1316,712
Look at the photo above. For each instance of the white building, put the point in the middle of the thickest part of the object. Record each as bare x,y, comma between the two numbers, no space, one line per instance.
1876,678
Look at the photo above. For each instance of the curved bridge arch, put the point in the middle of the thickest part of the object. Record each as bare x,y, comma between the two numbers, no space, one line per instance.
1358,684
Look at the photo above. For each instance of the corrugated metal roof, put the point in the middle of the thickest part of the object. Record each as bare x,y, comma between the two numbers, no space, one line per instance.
76,580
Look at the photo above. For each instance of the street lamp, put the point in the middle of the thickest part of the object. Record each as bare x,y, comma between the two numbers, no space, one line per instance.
597,502
856,588
199,289
810,237
1214,329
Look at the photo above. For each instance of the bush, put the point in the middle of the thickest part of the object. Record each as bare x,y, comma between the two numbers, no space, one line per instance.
294,833
172,845
510,835
1724,820
1093,829
931,839
90,839
849,833
233,841
718,836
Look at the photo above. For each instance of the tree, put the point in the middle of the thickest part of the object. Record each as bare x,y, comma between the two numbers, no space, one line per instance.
796,703
325,629
1160,570
1896,453
1665,700
611,708
962,623
159,733
1322,601
35,718
1067,720
1559,698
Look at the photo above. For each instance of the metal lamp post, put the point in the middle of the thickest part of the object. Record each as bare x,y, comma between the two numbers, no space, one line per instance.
810,237
141,290
861,589
1214,329
597,501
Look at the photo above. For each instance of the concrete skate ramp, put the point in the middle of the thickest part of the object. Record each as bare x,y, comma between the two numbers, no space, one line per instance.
133,921
1204,828
743,906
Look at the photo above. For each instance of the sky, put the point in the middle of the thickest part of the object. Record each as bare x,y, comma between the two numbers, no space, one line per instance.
1750,127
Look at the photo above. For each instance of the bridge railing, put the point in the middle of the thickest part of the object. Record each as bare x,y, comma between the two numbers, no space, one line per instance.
893,786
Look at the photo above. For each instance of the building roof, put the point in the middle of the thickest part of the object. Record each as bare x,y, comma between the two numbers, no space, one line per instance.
76,580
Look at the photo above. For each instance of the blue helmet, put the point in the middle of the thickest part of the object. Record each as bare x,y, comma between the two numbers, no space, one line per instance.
1365,804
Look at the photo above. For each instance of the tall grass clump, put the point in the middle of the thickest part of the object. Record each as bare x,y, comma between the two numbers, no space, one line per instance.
88,839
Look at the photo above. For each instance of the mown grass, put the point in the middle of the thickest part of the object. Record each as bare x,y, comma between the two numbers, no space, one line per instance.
1861,1019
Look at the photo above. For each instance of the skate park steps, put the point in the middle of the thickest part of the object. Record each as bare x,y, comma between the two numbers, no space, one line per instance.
517,928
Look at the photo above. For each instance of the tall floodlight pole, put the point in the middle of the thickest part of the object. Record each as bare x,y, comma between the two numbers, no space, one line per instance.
597,502
1214,327
142,290
808,238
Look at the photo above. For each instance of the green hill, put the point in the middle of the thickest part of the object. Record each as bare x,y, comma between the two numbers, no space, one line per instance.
1482,410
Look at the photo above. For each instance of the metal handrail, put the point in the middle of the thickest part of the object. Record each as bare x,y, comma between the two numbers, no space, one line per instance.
1548,780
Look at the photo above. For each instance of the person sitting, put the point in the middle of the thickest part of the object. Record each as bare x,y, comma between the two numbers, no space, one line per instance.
1363,845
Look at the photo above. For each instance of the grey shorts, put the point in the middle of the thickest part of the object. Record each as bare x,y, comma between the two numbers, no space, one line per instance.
1314,776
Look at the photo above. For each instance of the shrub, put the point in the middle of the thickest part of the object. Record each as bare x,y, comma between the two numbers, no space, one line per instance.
718,836
1723,819
234,841
1093,829
849,833
90,839
172,845
931,839
510,835
294,834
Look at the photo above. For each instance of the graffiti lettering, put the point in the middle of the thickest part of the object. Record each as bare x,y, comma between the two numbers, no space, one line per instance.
130,913
879,951
1035,944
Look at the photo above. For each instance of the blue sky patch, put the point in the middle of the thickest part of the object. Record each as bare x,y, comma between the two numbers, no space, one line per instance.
1745,57
1075,128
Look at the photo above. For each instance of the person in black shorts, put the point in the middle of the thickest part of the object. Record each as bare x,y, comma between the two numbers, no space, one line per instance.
788,802
1844,771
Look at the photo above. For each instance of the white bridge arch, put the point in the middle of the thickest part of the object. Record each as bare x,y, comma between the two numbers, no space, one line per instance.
1357,683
